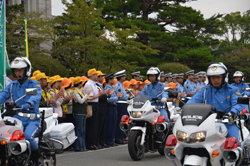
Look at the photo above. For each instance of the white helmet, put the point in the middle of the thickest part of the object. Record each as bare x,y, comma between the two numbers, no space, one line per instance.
238,74
216,69
154,71
20,63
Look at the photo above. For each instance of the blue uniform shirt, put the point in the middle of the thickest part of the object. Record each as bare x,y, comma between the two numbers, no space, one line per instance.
241,87
153,91
180,89
119,86
113,99
220,99
189,87
18,90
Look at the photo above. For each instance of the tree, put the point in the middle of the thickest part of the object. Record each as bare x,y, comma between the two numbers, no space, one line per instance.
173,67
81,43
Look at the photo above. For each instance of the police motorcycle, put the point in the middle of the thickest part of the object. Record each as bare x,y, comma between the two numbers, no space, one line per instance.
147,129
15,149
199,137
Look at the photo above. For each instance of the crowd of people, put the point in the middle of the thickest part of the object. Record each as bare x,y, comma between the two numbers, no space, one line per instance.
91,102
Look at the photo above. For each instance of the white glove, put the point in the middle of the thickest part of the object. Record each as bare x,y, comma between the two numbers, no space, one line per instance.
164,100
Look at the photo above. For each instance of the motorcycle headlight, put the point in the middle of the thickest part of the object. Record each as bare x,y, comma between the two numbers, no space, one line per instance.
136,114
198,137
183,137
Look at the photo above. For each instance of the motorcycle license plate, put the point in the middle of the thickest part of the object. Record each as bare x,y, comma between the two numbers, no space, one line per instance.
71,137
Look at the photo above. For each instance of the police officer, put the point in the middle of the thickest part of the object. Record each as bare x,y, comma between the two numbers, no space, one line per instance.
239,82
180,88
195,81
189,85
162,78
174,76
204,77
153,89
220,94
200,84
136,75
168,78
112,111
21,68
121,107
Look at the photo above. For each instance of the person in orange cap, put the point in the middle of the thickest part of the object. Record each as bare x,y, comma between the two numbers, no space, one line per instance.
134,86
126,85
68,96
84,78
140,85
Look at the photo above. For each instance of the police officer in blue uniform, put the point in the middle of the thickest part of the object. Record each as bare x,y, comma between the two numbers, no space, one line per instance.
204,77
155,88
195,81
189,85
180,89
162,77
220,94
174,76
121,107
239,82
112,111
168,78
21,68
200,84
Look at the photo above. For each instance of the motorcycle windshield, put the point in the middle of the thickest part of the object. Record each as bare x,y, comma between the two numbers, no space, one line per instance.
139,101
195,114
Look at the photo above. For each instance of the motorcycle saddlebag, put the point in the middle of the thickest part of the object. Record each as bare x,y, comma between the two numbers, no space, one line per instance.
64,132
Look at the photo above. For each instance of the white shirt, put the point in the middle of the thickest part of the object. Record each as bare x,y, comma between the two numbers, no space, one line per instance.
8,80
91,85
78,98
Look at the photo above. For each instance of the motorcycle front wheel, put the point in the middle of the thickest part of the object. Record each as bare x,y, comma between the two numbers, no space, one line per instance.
136,150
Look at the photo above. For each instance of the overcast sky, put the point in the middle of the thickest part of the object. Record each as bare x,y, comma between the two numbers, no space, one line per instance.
207,7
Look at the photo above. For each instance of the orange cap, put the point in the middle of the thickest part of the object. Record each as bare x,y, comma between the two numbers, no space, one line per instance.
115,81
84,78
65,83
172,85
36,72
58,78
77,80
40,76
33,78
92,72
139,83
104,80
133,82
146,82
126,84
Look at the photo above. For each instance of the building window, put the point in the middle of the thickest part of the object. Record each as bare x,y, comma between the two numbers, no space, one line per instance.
22,1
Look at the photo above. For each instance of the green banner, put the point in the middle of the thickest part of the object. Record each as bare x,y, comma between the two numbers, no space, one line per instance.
2,47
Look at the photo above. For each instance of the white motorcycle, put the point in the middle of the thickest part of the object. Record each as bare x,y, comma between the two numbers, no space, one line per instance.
16,150
199,138
147,128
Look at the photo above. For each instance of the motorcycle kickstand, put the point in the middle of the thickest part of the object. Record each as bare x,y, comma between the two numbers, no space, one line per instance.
174,163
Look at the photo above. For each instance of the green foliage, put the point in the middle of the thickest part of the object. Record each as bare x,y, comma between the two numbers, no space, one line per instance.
235,60
173,67
48,65
81,43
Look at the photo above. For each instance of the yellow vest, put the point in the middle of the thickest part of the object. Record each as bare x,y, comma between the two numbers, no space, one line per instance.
46,95
65,108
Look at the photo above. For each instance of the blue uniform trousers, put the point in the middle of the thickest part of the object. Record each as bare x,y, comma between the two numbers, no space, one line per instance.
164,113
233,131
111,125
80,128
121,110
31,127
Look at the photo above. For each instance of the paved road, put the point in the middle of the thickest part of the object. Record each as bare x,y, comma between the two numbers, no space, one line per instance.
115,156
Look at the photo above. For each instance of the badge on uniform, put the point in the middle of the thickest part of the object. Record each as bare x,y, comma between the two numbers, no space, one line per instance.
242,88
159,92
237,92
38,85
187,87
228,97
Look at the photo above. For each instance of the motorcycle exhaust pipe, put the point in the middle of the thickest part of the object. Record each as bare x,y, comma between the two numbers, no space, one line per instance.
231,155
160,127
17,148
169,154
124,127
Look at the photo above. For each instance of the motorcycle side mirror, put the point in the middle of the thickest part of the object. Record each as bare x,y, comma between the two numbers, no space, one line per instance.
243,100
172,94
31,91
248,89
166,89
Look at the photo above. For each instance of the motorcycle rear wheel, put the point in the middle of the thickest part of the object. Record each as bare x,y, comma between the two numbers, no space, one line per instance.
136,151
